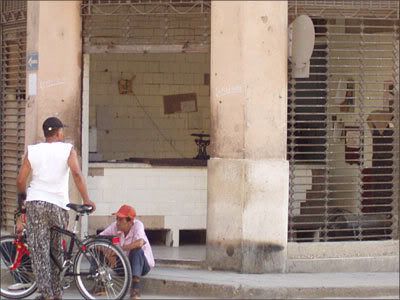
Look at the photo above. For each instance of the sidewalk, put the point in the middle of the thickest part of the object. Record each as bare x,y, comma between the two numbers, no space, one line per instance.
170,283
179,274
217,284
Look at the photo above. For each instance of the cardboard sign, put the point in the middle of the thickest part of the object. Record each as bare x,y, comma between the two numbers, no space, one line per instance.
180,103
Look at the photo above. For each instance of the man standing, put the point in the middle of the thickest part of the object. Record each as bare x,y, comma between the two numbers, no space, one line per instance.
134,242
46,200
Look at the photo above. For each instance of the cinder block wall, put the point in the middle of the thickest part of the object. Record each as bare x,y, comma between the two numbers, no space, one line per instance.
123,128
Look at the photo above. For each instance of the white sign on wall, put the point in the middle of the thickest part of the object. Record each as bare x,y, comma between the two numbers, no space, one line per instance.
32,84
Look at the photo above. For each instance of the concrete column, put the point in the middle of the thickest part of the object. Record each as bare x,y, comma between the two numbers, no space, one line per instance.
54,87
54,33
248,175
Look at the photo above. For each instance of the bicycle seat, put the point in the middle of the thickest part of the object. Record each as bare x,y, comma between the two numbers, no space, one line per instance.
79,208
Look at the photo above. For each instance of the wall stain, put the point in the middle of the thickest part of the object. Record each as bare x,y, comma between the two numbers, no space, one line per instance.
247,256
264,19
230,250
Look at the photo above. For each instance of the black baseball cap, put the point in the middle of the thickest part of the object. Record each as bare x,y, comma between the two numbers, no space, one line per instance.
52,123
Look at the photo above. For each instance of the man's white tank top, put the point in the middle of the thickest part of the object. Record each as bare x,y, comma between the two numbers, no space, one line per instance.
50,173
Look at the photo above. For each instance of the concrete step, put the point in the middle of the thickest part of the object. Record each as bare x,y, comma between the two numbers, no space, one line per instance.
218,284
388,263
180,263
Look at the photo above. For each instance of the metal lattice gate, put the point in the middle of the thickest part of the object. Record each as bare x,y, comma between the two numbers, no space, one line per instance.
343,125
12,109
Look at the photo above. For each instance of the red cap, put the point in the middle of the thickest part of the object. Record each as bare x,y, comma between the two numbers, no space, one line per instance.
126,211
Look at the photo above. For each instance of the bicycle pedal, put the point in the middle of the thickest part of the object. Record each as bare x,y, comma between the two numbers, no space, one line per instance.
66,286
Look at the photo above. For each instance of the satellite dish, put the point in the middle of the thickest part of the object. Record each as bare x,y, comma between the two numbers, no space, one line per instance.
301,45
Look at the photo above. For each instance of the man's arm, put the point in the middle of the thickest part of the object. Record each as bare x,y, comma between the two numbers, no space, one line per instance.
138,238
73,164
22,179
134,245
23,174
110,230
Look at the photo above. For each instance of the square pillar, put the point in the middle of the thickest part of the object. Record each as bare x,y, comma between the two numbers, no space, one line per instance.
248,174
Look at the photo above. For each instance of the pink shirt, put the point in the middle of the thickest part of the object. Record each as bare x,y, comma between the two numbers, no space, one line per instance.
135,233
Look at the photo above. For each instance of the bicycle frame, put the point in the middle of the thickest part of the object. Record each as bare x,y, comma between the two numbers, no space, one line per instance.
21,249
68,254
81,244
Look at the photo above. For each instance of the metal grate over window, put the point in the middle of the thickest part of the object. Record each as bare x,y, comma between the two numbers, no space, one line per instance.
343,125
12,104
111,25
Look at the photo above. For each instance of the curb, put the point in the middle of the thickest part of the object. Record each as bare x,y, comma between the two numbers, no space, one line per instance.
199,289
307,265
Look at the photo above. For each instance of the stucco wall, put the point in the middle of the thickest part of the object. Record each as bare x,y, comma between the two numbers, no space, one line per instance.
59,68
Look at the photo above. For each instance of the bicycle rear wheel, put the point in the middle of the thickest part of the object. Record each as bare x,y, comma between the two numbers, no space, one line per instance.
17,278
103,271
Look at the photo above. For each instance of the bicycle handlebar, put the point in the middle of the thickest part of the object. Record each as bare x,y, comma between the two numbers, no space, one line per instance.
81,208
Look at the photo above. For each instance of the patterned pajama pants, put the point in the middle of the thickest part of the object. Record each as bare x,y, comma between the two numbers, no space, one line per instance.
41,216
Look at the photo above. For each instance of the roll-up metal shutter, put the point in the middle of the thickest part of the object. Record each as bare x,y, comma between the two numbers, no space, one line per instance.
343,125
12,109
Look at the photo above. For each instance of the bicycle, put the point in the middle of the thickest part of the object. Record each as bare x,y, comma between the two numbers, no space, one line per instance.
97,264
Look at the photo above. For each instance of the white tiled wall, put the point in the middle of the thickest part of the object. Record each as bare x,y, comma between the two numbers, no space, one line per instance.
179,194
123,129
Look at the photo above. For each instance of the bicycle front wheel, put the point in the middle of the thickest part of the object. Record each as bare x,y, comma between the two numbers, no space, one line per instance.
17,278
102,271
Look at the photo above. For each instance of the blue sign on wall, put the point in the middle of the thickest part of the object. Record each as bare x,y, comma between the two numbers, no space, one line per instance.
32,61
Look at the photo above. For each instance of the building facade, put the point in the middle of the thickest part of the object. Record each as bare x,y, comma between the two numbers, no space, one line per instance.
294,163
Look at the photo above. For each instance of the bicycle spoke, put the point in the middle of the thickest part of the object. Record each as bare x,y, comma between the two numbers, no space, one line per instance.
116,286
95,255
6,250
118,282
23,276
112,290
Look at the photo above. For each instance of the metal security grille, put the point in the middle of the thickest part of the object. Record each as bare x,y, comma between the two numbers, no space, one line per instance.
111,24
343,125
12,109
